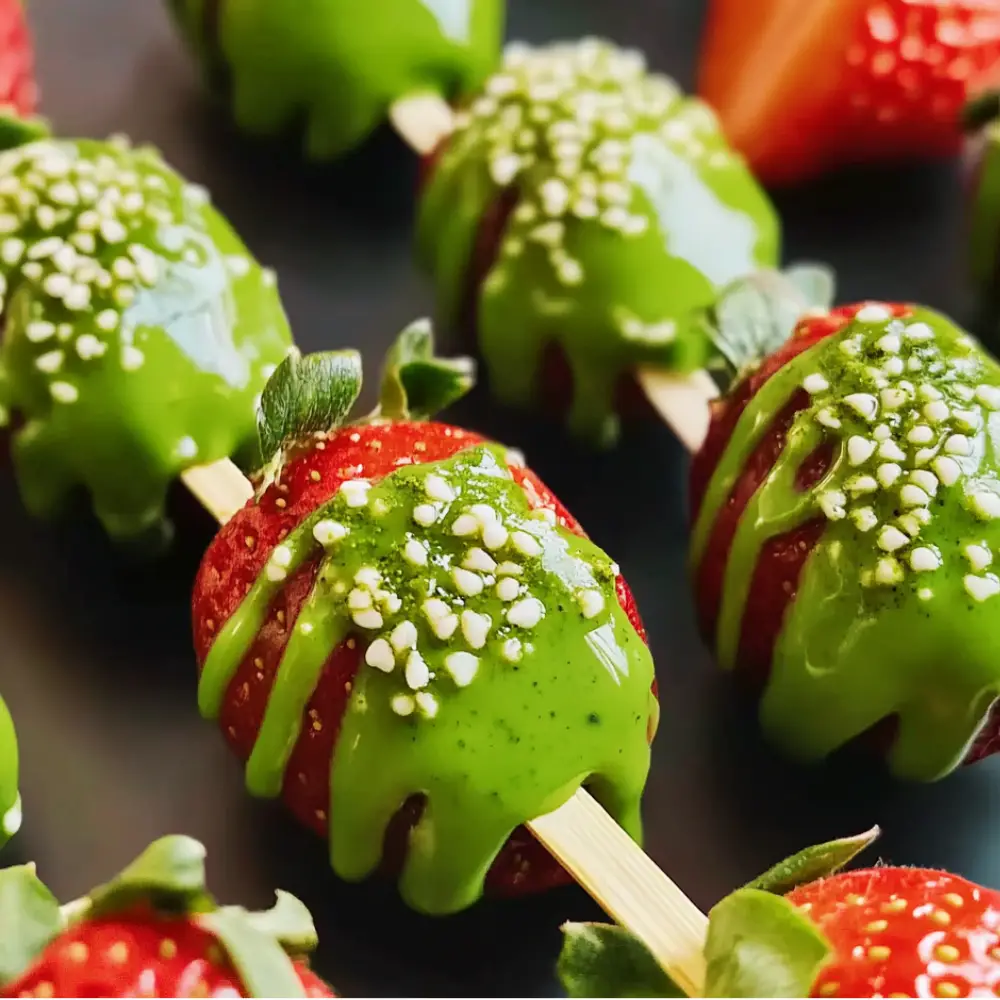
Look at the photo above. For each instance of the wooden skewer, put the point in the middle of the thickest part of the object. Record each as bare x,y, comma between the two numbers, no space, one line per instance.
589,844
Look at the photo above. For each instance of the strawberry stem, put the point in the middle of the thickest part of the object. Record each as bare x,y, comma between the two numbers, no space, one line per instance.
981,111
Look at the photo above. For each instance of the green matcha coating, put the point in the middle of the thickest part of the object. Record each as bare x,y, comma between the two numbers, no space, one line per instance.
632,212
10,800
897,606
339,66
139,330
501,671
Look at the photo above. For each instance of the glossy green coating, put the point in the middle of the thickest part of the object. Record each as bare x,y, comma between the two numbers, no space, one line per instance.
10,800
139,330
501,671
338,66
897,607
631,213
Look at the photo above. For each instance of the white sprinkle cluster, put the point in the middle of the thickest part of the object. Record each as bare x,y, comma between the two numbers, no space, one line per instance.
563,124
910,408
459,592
86,231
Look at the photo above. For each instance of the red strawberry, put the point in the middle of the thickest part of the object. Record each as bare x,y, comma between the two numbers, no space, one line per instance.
311,476
904,932
153,931
801,88
17,80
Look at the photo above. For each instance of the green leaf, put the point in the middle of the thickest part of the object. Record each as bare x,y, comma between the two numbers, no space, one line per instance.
813,863
306,395
263,965
754,316
288,922
17,131
982,110
170,874
29,920
415,383
760,945
604,960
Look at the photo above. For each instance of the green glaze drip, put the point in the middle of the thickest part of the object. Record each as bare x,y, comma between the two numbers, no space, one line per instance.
139,331
500,671
896,610
337,67
10,800
632,212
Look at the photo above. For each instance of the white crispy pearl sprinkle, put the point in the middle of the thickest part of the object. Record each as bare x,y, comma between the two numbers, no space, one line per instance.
356,492
425,515
328,532
815,383
913,496
981,588
368,618
591,603
947,469
438,489
64,392
985,504
427,703
873,313
415,553
468,584
380,656
527,613
478,560
979,557
403,704
859,449
475,628
989,396
465,525
924,559
462,666
525,544
958,444
888,571
833,503
863,403
404,636
891,538
888,473
418,674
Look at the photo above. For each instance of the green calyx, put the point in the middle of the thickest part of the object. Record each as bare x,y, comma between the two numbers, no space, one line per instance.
315,393
168,878
18,131
754,316
758,944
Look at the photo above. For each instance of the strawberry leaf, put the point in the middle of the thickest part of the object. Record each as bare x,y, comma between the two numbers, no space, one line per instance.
17,131
813,863
289,922
169,874
604,960
415,383
29,920
755,315
10,801
760,945
264,966
306,395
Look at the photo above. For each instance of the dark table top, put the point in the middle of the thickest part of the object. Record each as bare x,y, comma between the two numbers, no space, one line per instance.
95,655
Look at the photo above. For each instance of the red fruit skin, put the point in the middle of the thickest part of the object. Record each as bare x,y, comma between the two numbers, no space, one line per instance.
17,65
904,932
776,575
802,88
139,954
238,555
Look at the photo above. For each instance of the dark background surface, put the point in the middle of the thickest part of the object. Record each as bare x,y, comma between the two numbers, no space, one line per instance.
95,657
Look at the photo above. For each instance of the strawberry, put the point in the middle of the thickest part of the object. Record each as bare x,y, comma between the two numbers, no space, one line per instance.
18,92
802,88
842,457
152,931
805,928
312,474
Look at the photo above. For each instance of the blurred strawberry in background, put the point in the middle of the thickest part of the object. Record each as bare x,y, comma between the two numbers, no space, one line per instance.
803,86
18,93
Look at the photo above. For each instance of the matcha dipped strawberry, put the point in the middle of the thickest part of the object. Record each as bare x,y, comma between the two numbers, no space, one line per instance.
10,800
138,330
410,640
846,529
580,219
335,66
806,929
152,931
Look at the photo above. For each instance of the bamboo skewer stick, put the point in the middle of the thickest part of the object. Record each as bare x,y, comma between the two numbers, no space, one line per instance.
593,848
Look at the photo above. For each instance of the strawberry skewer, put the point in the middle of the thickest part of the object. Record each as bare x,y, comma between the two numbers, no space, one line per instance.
252,546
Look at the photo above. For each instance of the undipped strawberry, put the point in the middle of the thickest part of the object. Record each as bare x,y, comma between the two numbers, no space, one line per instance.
152,931
804,87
